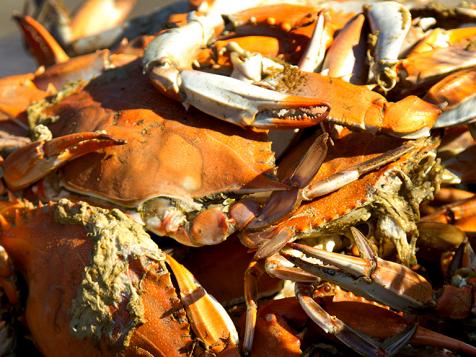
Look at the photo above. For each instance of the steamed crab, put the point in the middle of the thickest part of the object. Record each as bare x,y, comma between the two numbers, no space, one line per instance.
344,193
189,187
386,200
114,293
179,188
168,61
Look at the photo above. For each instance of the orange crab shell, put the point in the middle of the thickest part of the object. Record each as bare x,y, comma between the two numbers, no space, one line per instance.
53,256
169,152
347,152
17,93
354,194
275,332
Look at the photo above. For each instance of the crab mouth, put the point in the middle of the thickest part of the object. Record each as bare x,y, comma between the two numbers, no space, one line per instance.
289,116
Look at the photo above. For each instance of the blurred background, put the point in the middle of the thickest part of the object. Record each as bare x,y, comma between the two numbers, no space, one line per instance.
13,57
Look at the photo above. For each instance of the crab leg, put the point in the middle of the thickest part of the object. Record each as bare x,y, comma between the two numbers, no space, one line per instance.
275,266
252,274
314,54
455,94
453,89
409,118
451,213
339,179
386,282
34,161
357,341
344,59
427,337
283,202
41,44
390,23
209,320
428,67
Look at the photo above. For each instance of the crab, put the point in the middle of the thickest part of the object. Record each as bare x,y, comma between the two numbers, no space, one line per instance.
355,184
114,294
388,283
380,198
185,188
167,62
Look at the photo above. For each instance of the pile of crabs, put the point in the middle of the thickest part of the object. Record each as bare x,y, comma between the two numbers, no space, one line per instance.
308,163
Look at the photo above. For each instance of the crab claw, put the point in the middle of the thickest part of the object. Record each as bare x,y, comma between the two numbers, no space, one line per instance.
167,62
386,282
32,162
40,42
390,22
209,319
247,105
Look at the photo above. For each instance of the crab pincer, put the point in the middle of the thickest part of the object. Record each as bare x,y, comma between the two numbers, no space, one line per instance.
168,60
386,282
87,20
390,23
41,44
34,161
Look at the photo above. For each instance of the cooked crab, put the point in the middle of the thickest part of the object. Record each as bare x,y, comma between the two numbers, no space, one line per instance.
301,95
386,198
370,277
105,287
180,171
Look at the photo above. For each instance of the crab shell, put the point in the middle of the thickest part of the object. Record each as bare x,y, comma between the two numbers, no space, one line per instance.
279,328
171,153
18,92
379,194
78,305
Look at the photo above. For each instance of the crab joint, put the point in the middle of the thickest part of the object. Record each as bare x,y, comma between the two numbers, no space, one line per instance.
32,162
